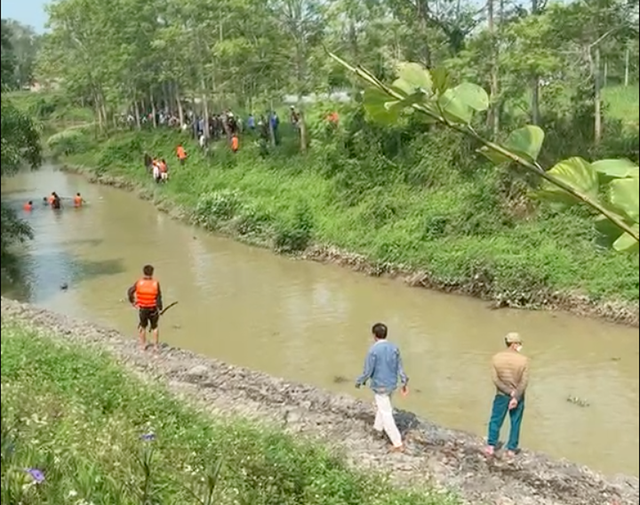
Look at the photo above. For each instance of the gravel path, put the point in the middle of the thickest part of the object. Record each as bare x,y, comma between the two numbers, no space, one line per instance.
445,458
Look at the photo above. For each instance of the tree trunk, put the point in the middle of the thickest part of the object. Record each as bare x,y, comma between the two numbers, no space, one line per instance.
535,81
422,19
626,67
152,101
493,91
597,124
205,110
166,101
272,132
176,91
304,136
136,111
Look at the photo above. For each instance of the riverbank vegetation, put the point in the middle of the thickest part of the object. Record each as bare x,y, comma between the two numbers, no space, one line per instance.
407,193
455,223
77,428
20,147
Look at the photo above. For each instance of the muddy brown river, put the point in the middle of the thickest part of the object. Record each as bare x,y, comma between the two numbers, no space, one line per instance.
309,322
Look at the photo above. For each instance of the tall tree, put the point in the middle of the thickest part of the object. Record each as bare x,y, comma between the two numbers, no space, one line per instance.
20,146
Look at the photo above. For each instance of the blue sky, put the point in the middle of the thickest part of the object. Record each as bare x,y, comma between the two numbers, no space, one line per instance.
28,12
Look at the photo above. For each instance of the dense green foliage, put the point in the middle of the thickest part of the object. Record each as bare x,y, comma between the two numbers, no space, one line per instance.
466,224
608,187
406,193
99,435
24,44
20,146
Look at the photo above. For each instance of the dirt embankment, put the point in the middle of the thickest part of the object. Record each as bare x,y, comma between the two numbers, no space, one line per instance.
446,458
480,286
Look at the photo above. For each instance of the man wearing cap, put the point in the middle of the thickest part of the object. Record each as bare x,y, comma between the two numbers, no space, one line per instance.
510,374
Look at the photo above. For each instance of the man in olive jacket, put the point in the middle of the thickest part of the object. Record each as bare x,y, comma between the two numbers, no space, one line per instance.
510,374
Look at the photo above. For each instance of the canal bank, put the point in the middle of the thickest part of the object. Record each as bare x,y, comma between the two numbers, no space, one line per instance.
310,323
451,459
479,283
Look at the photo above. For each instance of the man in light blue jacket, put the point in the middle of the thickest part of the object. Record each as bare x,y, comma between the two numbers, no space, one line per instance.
382,368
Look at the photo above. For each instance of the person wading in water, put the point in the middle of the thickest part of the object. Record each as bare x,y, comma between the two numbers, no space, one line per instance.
382,367
78,200
55,201
145,295
510,375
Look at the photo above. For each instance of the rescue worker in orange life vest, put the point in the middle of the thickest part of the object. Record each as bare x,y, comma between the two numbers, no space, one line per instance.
145,295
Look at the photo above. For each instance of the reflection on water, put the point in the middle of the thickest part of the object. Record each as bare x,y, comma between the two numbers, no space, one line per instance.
309,322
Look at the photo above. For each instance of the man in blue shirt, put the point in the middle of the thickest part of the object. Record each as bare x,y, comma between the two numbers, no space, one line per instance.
382,368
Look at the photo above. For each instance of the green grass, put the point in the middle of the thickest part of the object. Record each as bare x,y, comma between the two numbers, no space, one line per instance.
78,417
623,102
451,226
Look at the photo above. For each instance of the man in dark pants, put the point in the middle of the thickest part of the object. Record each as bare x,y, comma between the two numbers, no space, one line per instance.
510,374
146,296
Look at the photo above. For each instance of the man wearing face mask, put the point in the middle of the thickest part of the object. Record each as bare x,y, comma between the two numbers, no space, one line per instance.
510,374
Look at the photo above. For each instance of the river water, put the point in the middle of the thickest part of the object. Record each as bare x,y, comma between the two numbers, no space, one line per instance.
309,322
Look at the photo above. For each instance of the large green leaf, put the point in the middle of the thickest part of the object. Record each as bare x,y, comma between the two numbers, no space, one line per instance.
441,79
403,87
576,173
616,169
624,197
524,142
454,109
380,107
415,75
472,95
608,231
627,243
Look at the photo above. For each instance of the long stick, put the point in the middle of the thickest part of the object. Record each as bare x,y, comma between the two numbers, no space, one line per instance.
172,304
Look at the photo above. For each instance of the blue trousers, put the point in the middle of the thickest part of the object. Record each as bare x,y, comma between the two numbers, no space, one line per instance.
499,411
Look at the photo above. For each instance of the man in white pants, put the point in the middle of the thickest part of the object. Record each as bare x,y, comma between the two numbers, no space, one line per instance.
382,367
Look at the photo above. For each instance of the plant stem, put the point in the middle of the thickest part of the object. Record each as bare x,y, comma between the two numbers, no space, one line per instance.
361,72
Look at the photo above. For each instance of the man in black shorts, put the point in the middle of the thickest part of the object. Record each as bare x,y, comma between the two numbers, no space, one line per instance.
146,296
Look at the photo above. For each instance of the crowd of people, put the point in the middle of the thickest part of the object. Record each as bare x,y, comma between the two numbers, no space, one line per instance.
218,125
54,201
226,125
384,371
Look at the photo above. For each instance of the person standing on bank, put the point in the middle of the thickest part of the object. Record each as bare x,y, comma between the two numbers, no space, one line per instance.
510,374
146,296
382,367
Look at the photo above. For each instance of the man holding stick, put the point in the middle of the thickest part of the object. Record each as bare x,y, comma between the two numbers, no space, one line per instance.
146,296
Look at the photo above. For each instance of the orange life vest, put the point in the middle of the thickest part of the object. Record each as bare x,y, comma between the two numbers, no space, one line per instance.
77,201
28,206
235,143
51,199
146,293
181,152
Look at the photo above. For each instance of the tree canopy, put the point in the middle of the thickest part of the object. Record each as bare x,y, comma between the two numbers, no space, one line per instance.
20,146
539,62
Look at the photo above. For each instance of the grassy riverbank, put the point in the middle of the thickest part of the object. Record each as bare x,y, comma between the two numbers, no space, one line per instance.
454,226
99,435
